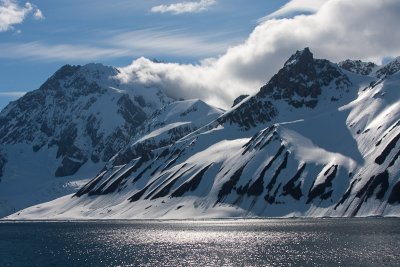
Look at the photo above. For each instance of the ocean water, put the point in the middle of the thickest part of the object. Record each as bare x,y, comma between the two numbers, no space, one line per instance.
243,242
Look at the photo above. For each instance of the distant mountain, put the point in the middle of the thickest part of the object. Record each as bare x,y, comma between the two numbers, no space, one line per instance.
358,66
54,138
319,139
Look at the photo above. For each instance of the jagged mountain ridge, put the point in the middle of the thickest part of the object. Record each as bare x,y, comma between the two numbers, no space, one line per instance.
298,84
54,138
317,140
358,66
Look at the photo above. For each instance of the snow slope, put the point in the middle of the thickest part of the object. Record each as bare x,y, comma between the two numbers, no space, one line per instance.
316,140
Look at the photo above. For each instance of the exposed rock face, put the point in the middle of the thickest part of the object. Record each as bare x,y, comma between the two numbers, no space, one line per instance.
389,69
239,99
358,66
250,114
166,126
132,114
302,78
3,161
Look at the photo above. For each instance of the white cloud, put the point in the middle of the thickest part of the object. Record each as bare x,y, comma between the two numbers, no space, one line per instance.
339,29
38,14
11,13
184,7
295,7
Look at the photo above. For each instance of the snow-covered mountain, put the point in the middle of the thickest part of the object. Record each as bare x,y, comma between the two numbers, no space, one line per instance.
53,139
319,139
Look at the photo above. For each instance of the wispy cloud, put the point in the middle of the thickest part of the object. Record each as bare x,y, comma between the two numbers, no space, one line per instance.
43,51
171,42
12,94
184,7
295,7
11,13
137,43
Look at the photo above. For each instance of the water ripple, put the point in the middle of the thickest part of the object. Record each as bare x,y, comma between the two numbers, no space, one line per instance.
290,242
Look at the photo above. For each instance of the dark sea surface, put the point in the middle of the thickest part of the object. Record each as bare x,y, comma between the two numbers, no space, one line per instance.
243,242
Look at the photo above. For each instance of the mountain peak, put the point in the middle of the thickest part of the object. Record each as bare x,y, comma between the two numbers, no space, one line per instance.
303,76
301,57
302,83
65,71
93,70
80,80
99,68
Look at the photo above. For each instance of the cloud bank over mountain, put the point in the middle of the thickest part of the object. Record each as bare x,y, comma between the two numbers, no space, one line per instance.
336,30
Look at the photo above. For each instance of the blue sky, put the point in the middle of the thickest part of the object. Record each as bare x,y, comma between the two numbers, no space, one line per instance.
219,49
115,33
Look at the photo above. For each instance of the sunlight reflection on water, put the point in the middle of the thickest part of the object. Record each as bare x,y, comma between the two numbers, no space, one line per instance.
356,242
